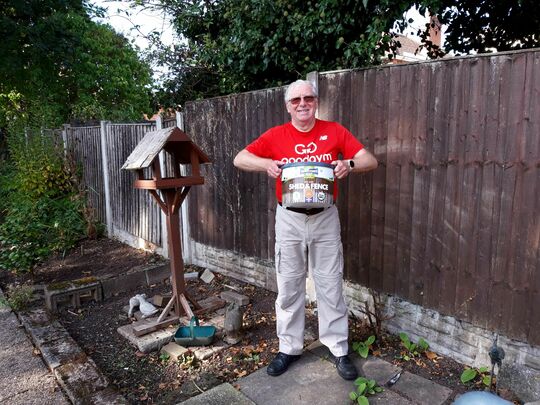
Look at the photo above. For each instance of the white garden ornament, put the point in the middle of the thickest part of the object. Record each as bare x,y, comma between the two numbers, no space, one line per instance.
146,308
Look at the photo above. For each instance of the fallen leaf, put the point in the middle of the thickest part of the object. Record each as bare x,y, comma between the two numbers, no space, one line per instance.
431,355
162,386
377,353
140,354
241,374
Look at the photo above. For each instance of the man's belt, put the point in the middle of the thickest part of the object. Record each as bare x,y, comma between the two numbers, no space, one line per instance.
305,211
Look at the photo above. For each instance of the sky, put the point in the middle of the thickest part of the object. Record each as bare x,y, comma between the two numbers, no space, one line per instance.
146,20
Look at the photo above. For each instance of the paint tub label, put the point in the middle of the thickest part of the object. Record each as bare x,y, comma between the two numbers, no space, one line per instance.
307,185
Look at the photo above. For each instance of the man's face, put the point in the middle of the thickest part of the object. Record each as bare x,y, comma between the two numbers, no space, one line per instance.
302,104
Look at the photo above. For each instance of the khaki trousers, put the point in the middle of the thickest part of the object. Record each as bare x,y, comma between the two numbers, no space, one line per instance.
310,243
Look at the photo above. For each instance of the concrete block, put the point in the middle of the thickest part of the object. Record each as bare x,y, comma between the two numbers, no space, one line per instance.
234,297
124,282
107,396
80,380
174,350
73,295
59,352
160,300
150,342
207,276
204,352
157,274
46,333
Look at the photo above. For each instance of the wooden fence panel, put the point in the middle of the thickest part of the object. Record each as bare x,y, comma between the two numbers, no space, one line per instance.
84,147
234,210
133,211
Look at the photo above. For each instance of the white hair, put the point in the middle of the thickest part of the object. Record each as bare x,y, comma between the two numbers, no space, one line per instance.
300,83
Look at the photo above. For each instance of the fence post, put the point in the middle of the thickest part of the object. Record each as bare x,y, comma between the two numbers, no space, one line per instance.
105,161
65,129
163,217
184,218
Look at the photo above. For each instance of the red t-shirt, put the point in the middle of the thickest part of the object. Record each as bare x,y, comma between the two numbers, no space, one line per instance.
323,143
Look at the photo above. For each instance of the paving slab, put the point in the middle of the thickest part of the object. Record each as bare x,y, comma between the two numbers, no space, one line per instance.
375,369
310,380
24,379
8,336
421,390
224,394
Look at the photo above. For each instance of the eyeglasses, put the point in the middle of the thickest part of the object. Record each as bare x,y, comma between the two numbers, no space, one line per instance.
307,99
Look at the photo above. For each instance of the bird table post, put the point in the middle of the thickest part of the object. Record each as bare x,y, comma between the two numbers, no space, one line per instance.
173,191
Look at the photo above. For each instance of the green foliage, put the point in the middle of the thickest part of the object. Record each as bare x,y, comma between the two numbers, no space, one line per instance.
412,349
364,388
187,360
480,26
476,375
72,68
41,207
362,348
34,229
40,165
18,297
238,45
164,358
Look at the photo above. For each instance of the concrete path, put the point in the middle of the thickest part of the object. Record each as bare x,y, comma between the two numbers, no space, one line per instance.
24,379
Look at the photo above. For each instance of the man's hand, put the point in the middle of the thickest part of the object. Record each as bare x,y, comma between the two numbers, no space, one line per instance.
342,168
273,170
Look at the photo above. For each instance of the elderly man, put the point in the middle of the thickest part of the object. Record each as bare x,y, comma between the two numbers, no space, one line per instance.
308,238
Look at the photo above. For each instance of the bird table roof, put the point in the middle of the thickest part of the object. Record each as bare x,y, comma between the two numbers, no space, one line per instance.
173,140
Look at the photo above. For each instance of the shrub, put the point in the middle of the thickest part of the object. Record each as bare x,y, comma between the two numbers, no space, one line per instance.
42,211
31,231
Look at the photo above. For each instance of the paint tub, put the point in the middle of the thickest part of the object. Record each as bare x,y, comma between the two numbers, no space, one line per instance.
307,185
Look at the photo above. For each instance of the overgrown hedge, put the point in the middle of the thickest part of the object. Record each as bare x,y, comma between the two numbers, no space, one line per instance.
42,210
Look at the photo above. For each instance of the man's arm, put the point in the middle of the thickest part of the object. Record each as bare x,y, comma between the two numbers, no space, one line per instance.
364,161
246,160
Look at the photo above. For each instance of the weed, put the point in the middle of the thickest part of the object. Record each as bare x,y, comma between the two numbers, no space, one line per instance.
364,388
18,297
376,316
362,348
412,349
187,360
476,375
164,358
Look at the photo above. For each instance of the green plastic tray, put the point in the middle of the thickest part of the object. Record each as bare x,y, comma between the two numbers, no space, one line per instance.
195,335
